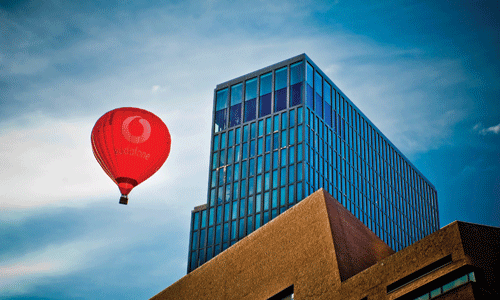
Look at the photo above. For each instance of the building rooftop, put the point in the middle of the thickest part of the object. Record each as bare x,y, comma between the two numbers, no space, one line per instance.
318,250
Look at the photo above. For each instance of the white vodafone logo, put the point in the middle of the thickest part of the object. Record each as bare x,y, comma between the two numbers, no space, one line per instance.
136,139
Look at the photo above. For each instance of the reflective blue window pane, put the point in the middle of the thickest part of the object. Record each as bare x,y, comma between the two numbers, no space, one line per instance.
310,96
283,157
230,138
296,94
327,92
251,89
217,235
300,115
280,100
318,87
268,143
237,135
221,101
265,105
275,159
261,127
296,73
216,142
196,220
245,150
235,210
266,84
250,110
276,144
230,155
223,140
259,164
226,212
233,230
291,175
284,140
328,114
267,162
235,115
211,217
204,218
225,237
194,241
249,225
275,178
280,78
220,120
193,261
260,146
269,126
243,190
236,172
283,176
318,91
252,148
242,228
291,194
309,74
283,196
292,136
266,201
236,94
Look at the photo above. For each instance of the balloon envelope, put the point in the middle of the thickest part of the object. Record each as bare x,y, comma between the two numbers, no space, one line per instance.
130,144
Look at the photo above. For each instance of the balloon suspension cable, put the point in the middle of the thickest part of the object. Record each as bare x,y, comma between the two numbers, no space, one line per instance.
124,199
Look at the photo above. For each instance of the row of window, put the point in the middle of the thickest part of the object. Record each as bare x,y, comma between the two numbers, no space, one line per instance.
208,242
354,184
470,277
358,128
279,197
280,140
417,190
267,127
245,101
320,158
377,152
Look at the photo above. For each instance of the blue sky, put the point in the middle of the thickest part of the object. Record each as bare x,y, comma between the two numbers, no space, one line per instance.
427,74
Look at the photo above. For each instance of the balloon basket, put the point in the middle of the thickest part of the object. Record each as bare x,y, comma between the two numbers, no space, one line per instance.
124,199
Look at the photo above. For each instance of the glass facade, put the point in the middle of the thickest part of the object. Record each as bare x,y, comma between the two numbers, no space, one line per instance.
287,141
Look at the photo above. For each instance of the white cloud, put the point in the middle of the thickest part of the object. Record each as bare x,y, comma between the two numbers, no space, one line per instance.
18,275
484,131
48,160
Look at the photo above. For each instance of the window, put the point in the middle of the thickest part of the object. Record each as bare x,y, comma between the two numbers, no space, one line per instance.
296,85
221,110
235,110
250,99
265,94
280,89
309,86
318,94
457,282
328,103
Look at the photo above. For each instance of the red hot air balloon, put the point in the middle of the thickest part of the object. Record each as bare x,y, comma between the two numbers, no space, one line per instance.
130,144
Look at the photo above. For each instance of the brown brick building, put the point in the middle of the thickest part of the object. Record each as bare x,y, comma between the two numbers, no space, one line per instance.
319,250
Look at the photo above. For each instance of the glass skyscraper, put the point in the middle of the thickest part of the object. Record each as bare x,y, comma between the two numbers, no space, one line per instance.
282,132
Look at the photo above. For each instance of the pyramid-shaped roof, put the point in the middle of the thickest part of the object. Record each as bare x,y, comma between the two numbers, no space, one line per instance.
317,238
